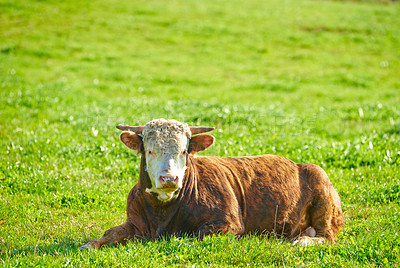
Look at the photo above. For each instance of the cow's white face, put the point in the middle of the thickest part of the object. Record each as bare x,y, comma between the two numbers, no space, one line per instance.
165,144
166,163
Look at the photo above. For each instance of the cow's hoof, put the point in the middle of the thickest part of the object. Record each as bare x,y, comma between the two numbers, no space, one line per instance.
88,245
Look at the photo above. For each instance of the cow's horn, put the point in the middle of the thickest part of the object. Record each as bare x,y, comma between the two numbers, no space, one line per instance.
136,129
198,130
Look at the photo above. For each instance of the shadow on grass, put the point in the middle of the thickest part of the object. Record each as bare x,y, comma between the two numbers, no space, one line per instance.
60,246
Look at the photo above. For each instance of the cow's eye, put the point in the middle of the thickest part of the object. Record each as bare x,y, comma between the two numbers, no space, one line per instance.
149,152
184,152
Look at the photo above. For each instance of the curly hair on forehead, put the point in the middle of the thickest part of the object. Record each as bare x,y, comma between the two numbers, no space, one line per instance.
165,133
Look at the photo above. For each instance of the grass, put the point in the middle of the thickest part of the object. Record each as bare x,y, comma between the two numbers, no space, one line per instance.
314,81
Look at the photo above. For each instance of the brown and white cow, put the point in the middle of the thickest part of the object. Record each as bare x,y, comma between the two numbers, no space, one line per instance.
180,193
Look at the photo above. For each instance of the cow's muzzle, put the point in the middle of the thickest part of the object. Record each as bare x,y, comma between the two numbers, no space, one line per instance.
169,182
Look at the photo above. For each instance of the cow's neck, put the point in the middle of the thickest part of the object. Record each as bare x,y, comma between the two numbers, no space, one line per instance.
144,179
189,189
162,213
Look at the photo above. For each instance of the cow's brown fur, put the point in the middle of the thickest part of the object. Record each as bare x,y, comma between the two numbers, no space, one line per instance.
237,195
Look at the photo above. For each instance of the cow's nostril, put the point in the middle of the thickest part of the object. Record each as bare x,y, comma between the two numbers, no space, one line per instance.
165,179
162,179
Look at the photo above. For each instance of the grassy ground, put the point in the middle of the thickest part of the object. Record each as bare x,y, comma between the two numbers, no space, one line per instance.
314,81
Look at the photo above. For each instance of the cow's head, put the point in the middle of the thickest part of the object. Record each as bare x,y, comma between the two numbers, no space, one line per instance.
165,144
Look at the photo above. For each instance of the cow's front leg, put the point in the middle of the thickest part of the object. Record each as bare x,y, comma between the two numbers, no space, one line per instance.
113,236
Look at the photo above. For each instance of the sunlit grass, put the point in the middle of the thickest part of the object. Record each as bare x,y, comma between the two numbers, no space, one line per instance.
314,81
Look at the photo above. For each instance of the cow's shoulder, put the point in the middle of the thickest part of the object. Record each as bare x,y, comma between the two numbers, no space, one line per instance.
133,193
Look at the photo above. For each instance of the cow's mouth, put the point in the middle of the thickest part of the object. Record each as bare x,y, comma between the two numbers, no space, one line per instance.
169,189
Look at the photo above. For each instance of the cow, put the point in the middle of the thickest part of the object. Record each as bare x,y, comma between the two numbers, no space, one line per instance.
180,193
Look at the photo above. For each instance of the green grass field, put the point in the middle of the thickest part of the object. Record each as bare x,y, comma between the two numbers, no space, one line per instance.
314,81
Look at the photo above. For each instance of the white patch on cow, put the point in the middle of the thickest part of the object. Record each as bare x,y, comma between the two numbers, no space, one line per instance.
161,195
308,241
165,143
303,241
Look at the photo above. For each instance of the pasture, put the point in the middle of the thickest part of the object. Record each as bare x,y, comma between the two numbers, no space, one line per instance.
313,81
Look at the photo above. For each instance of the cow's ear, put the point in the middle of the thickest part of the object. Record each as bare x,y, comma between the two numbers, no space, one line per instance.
200,142
131,140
